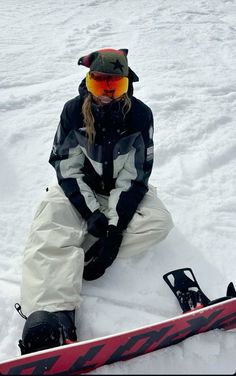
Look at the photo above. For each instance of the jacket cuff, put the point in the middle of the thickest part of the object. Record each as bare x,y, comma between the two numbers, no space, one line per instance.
113,221
73,193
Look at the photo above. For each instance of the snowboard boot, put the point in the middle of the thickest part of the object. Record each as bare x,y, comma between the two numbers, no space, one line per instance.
67,323
44,330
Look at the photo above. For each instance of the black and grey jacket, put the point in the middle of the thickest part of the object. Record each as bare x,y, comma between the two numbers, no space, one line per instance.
117,165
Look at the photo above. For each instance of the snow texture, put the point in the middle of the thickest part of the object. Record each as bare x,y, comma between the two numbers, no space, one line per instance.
184,54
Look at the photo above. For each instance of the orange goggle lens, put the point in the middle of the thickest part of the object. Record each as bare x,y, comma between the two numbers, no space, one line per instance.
105,84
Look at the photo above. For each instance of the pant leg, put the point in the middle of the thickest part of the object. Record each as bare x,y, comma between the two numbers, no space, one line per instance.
53,258
151,224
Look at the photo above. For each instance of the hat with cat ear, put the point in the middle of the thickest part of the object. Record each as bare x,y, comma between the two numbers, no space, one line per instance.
109,61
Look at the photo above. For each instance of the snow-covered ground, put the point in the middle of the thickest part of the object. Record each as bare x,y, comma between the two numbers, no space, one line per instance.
184,53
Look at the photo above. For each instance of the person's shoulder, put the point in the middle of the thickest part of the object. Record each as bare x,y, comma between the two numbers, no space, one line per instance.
140,104
140,110
71,112
73,104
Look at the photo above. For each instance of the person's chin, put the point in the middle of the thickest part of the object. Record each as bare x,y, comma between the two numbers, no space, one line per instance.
103,100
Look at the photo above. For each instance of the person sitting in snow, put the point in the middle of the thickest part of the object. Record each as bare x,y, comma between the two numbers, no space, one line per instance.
103,205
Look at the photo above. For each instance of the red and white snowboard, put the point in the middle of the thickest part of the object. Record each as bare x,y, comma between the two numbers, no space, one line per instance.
85,356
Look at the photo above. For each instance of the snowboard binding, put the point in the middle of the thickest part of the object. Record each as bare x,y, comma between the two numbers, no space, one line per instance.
184,285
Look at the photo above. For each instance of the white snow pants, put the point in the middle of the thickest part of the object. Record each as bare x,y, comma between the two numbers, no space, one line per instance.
53,259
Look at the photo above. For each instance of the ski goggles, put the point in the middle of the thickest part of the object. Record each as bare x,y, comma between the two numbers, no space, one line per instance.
105,84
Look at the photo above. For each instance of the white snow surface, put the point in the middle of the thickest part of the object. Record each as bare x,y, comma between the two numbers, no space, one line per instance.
184,54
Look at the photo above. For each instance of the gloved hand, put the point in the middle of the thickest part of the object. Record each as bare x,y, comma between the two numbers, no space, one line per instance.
97,224
102,253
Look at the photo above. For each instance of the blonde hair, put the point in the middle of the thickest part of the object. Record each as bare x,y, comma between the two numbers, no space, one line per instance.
89,118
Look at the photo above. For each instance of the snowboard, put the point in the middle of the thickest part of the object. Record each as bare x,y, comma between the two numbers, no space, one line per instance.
82,357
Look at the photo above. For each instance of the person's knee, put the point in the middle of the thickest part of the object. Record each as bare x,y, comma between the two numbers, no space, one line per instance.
164,224
169,223
55,193
55,210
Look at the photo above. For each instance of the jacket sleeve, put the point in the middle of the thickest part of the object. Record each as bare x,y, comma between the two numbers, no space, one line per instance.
132,181
68,159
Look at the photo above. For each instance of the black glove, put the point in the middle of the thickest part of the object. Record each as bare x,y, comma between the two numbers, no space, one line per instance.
97,224
128,203
102,253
